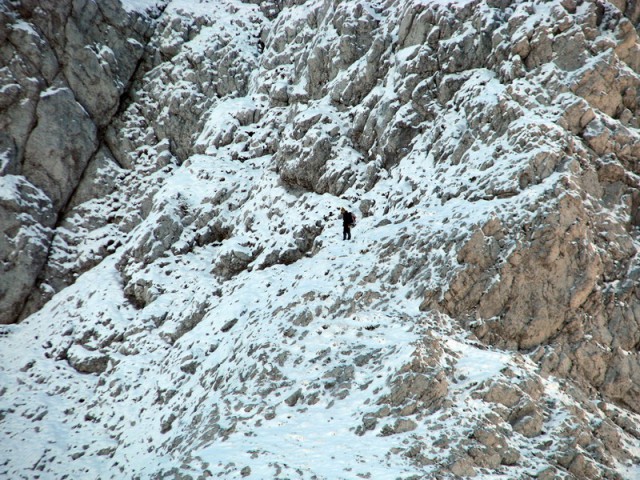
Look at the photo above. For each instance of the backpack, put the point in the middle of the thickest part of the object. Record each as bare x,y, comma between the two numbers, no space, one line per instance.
353,219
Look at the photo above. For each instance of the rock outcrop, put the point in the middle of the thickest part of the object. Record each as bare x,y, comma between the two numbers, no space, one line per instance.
555,276
65,68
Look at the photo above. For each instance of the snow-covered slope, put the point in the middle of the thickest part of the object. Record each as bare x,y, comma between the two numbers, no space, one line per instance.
200,315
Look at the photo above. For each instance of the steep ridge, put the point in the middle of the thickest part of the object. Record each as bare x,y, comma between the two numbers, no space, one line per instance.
199,315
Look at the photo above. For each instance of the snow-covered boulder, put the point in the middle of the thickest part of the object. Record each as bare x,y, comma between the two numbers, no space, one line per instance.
87,361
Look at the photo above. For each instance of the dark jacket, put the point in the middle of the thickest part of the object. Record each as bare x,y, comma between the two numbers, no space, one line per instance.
347,219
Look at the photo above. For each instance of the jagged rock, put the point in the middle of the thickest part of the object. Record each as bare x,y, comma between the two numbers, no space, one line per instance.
99,72
9,164
417,391
294,398
99,180
312,162
229,325
167,423
590,86
504,394
497,449
150,245
463,467
566,285
190,367
87,361
527,420
219,69
176,324
404,425
26,220
485,458
233,258
71,61
578,114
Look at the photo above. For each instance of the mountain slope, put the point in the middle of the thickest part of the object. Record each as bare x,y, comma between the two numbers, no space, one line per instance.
199,315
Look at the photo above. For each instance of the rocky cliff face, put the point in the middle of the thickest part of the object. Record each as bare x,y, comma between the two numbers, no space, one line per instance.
65,68
171,179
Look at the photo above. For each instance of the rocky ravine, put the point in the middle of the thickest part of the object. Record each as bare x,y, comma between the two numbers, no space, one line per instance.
175,240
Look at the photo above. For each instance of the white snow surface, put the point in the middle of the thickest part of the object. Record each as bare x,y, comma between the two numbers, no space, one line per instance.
141,6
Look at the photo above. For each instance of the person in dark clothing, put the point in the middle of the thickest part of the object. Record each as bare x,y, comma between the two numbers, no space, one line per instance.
347,223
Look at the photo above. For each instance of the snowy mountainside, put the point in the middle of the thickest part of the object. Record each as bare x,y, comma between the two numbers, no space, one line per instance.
198,315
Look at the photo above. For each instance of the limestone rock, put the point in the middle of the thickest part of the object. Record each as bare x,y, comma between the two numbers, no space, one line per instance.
8,156
99,63
56,154
26,221
311,157
87,361
463,467
233,258
594,80
167,229
70,64
99,180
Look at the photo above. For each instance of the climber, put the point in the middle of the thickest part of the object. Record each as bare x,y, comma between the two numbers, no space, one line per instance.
348,220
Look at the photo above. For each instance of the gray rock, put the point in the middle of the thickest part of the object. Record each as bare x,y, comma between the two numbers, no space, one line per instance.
33,47
100,178
70,63
87,361
8,155
167,423
294,398
26,221
102,52
503,115
57,153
